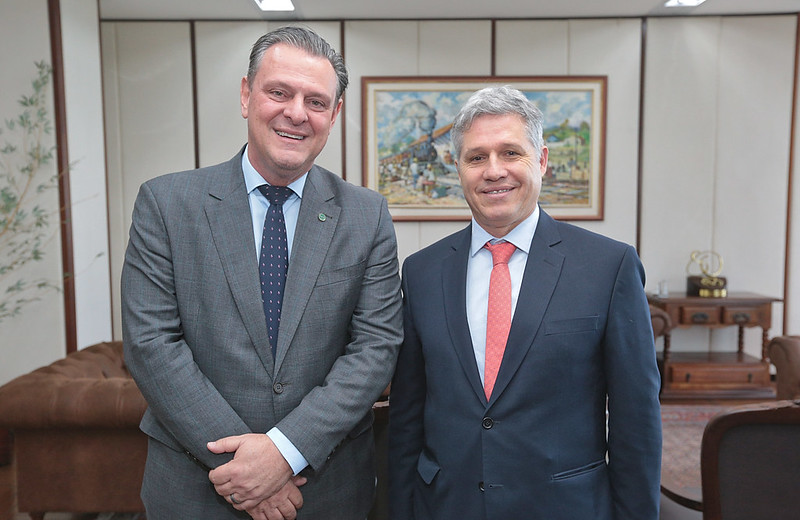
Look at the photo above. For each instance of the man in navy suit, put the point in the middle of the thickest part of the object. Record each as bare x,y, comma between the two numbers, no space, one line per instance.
568,426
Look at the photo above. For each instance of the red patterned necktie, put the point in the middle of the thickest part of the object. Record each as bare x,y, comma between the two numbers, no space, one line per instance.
498,317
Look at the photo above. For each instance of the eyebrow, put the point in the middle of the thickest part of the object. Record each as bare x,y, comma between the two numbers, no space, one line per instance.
504,145
286,86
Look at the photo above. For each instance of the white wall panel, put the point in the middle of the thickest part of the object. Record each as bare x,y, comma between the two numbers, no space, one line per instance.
148,84
613,48
36,336
716,120
459,48
532,48
223,49
408,239
679,150
752,163
753,140
373,49
84,93
679,153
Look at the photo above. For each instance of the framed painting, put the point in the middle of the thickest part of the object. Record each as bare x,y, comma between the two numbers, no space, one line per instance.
407,155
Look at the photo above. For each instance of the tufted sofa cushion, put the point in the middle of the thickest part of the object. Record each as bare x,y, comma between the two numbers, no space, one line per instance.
89,388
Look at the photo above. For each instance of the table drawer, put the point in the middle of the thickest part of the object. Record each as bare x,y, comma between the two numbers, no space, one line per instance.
700,315
711,374
740,315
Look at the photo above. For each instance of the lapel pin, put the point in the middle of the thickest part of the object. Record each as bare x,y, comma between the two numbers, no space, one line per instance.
322,217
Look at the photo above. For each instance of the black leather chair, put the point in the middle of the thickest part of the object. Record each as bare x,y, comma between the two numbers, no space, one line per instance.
750,463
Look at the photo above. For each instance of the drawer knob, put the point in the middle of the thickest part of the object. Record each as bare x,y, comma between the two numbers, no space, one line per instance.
750,378
741,317
688,376
699,317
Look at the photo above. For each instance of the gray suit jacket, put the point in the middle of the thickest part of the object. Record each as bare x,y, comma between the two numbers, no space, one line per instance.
196,338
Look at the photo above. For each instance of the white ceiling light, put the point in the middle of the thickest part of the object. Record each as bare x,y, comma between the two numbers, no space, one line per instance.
275,5
683,3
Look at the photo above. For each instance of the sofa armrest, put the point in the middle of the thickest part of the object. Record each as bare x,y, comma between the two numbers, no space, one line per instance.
87,389
784,353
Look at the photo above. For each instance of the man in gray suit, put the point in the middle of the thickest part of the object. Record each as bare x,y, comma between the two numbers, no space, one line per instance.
233,420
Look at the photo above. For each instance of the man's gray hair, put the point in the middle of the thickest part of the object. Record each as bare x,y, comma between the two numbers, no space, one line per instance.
300,38
498,101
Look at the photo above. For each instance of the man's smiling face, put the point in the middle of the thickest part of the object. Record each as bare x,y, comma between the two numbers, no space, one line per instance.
500,171
290,106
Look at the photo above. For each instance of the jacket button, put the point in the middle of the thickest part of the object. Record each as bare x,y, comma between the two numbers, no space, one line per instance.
277,388
480,485
487,423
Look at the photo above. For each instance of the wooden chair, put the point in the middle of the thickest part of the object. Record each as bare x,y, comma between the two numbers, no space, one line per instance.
784,353
750,463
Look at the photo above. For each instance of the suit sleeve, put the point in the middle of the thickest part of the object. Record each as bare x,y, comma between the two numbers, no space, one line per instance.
331,411
406,415
179,395
634,420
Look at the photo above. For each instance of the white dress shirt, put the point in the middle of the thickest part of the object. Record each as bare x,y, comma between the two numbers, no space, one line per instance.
479,269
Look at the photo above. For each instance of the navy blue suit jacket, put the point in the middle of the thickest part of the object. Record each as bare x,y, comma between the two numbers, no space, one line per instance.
581,337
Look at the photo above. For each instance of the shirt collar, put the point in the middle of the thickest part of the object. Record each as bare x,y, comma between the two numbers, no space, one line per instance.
252,179
521,236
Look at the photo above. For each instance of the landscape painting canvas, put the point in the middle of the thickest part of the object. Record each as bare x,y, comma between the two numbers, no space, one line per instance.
407,155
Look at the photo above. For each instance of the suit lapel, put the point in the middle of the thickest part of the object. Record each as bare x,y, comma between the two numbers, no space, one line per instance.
454,278
542,272
228,213
316,224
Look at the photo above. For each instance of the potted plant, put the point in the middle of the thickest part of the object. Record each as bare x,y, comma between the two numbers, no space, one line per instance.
25,151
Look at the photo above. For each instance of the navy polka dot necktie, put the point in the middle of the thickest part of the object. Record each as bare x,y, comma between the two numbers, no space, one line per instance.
274,259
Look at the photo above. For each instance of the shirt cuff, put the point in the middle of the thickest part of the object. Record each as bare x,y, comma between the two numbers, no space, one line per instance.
288,450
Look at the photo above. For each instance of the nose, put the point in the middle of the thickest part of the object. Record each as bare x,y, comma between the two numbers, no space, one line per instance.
295,110
494,168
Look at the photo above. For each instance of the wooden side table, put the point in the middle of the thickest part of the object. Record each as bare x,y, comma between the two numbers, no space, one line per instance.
716,374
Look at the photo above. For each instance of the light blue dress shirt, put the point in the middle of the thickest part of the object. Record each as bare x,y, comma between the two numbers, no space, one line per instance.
258,211
479,269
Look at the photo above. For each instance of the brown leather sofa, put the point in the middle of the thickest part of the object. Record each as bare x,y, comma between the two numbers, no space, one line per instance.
784,353
76,440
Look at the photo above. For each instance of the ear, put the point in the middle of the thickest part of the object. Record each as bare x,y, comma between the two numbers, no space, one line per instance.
245,97
336,113
543,160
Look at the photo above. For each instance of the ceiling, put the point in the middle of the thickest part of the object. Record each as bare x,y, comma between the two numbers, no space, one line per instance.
428,9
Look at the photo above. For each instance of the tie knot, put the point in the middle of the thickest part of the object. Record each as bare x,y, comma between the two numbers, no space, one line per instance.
501,251
275,194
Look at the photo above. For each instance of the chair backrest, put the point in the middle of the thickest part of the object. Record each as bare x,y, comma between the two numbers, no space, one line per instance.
784,353
750,463
660,320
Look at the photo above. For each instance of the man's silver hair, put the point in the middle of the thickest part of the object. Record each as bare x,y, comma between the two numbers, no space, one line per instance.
498,101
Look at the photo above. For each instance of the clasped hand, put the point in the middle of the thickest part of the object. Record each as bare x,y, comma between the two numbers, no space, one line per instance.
258,479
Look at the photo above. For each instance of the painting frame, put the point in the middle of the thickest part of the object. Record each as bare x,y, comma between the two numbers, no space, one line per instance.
416,172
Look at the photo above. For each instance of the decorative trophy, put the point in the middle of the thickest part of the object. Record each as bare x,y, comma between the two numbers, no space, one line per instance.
710,284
